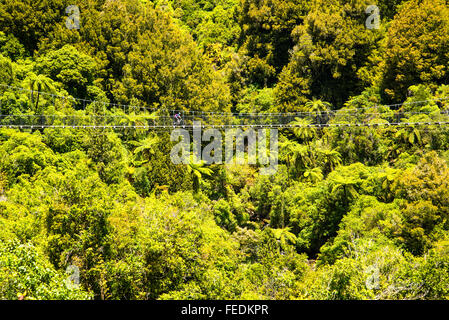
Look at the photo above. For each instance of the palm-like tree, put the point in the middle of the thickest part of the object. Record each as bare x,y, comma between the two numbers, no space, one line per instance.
320,107
295,155
197,170
332,158
132,120
316,105
145,148
347,184
301,129
38,83
301,157
407,136
388,178
285,237
313,175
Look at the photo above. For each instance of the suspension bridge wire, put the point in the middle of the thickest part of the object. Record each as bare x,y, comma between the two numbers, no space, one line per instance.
202,114
152,121
164,122
82,100
259,126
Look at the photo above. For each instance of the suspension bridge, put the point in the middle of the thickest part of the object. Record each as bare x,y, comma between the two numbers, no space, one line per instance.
70,112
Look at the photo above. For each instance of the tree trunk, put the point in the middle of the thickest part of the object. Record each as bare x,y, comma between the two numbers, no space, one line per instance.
37,101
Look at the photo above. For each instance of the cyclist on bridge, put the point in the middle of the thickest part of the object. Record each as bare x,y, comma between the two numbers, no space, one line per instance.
177,118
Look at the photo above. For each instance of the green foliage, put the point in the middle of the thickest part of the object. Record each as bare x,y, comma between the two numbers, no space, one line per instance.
6,71
330,47
25,154
146,56
74,69
11,46
26,274
28,22
351,213
415,43
265,36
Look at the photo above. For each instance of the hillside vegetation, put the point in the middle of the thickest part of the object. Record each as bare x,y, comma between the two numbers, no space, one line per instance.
352,212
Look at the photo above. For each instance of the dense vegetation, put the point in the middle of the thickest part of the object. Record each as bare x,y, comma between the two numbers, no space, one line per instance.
352,213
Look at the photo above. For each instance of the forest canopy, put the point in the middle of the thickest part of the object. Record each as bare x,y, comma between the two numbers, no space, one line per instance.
351,213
